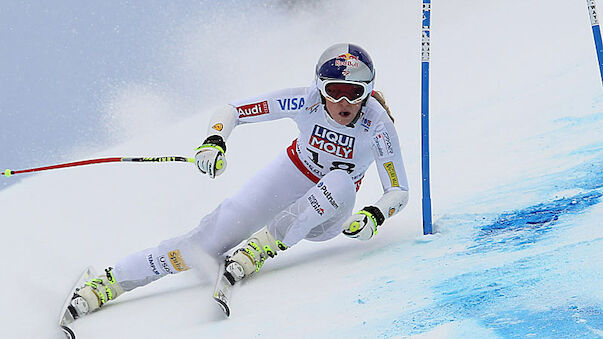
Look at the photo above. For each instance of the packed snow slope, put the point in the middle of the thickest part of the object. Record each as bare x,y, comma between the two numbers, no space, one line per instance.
517,183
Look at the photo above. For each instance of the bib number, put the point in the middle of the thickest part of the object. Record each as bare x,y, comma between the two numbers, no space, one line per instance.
346,166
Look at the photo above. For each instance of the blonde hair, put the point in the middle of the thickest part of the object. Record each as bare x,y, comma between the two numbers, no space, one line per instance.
379,96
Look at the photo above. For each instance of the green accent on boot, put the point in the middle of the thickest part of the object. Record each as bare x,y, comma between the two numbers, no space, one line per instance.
110,276
259,264
269,251
280,245
93,283
255,246
105,287
101,297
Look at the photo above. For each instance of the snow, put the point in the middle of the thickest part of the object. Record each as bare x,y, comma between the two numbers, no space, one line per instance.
517,184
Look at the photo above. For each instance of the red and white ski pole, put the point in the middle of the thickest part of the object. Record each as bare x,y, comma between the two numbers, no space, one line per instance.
7,173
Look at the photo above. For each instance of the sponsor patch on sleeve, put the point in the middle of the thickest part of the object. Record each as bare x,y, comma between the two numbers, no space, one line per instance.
391,172
218,127
291,104
177,262
383,144
253,110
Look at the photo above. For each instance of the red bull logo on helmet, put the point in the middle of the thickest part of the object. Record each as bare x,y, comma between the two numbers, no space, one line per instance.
338,144
346,60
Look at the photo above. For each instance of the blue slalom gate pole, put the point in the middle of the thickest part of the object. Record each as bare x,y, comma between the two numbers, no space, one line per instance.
594,21
425,50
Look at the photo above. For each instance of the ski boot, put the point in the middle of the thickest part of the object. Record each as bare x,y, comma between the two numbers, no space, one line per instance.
250,258
94,294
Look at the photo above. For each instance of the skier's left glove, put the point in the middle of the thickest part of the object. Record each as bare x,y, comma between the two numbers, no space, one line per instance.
363,225
210,156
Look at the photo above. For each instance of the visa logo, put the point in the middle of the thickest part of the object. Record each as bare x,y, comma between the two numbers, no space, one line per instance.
291,104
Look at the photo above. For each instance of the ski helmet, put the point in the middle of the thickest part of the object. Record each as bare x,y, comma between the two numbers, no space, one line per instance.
345,71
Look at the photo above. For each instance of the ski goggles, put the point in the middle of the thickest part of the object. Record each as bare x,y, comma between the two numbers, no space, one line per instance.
337,90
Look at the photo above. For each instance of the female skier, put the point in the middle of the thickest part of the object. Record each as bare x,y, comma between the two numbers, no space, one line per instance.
307,192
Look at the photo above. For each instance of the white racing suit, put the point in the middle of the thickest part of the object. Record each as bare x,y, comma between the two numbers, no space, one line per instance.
307,192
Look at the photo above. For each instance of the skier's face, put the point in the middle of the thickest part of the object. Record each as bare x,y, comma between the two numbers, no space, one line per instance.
343,112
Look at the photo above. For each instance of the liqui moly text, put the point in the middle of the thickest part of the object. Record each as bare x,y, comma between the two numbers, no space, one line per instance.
338,144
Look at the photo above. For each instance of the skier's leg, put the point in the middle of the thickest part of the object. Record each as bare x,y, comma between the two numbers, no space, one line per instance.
265,194
331,199
259,200
133,271
322,207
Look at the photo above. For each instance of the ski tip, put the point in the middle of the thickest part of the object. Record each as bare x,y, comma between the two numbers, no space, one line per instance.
68,332
224,306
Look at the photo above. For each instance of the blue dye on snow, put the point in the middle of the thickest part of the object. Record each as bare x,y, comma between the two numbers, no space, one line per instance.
502,299
563,322
492,296
535,282
518,229
588,176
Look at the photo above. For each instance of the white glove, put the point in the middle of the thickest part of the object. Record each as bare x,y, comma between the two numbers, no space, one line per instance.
363,225
210,159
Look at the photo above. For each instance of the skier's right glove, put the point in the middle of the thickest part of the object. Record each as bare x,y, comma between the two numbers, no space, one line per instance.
210,157
363,225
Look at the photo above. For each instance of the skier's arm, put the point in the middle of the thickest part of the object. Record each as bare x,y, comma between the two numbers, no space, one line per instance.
286,103
222,122
210,157
388,158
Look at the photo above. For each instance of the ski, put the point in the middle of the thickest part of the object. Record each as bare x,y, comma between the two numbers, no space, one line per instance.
66,316
223,290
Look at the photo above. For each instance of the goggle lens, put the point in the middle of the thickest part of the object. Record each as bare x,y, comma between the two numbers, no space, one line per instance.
338,90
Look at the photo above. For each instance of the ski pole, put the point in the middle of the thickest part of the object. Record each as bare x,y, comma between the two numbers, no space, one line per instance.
7,173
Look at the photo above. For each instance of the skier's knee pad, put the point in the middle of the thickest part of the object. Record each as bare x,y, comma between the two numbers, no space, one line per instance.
339,189
334,195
